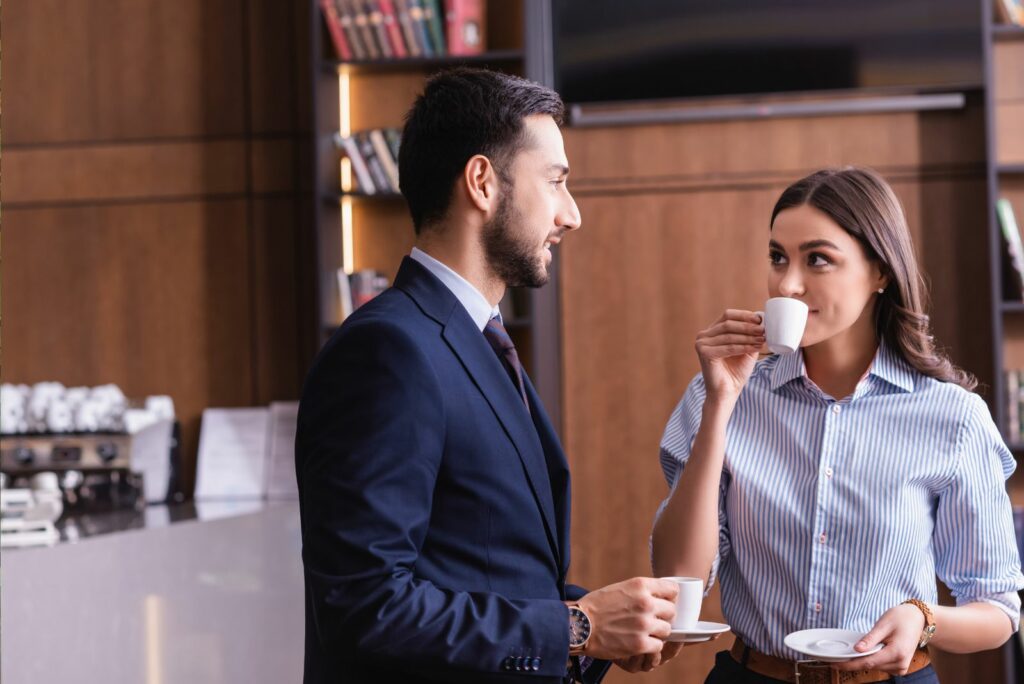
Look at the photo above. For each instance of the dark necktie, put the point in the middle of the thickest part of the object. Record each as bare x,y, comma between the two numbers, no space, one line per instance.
502,345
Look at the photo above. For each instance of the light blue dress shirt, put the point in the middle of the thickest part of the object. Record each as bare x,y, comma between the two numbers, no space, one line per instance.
480,310
832,512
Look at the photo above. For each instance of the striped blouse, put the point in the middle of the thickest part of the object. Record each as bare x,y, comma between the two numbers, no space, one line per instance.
832,512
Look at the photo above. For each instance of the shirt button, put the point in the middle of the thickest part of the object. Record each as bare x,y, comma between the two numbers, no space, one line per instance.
836,408
828,472
817,607
822,538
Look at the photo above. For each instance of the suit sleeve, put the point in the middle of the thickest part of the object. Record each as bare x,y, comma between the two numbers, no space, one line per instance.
369,449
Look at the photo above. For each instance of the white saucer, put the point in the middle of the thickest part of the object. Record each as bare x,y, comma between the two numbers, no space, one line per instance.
828,645
702,631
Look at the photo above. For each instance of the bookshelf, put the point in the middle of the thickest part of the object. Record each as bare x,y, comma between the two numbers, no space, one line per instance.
354,230
1004,94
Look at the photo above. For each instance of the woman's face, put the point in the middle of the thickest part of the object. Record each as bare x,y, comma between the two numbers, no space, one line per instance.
819,263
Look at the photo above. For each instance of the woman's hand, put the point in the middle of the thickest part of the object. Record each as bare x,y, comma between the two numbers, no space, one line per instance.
900,630
728,351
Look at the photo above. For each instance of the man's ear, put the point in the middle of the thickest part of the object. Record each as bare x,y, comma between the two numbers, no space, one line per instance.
481,181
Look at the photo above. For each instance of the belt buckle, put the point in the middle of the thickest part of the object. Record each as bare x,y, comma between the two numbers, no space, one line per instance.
817,667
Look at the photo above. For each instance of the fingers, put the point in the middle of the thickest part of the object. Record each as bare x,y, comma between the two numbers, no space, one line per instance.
662,588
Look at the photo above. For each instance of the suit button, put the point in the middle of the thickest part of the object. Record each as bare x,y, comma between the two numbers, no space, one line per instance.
519,663
507,663
535,665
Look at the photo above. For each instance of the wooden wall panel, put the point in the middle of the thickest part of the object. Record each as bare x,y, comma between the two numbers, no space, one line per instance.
144,296
120,172
153,157
122,69
675,229
1008,69
1009,132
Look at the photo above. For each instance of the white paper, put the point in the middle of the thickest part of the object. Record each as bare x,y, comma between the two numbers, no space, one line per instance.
281,450
151,449
232,453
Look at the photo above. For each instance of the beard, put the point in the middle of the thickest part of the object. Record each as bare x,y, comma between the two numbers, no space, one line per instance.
509,251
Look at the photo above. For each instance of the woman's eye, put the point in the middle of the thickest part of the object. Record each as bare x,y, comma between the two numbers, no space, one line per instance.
776,258
817,260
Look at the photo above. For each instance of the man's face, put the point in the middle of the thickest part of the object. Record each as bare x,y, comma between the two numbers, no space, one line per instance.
534,211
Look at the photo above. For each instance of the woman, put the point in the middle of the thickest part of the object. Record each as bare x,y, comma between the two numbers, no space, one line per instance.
827,487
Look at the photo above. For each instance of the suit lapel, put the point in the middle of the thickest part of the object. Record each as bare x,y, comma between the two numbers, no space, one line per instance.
558,470
487,373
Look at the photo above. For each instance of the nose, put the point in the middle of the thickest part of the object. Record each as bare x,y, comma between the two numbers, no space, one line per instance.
568,216
791,284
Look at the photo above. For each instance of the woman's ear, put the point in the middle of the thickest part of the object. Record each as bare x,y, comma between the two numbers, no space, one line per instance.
481,183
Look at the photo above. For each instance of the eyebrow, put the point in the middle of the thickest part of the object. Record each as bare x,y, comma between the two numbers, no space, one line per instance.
807,246
561,168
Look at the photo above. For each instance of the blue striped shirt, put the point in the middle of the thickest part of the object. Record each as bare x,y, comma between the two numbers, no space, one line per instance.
832,512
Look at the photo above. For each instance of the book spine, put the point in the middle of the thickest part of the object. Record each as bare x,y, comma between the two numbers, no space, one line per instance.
380,179
464,20
348,26
376,19
393,28
362,24
1011,233
380,146
419,23
394,138
408,28
1013,405
358,164
341,48
434,18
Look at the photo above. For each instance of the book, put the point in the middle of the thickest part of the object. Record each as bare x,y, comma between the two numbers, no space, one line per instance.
1009,12
351,149
1013,405
464,25
405,21
348,27
433,16
390,165
380,178
333,22
345,306
1013,252
394,138
380,32
419,24
362,24
393,28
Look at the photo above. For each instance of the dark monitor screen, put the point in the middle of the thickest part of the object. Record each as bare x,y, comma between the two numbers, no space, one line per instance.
611,50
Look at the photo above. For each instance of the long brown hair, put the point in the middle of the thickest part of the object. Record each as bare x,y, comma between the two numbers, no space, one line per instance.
864,205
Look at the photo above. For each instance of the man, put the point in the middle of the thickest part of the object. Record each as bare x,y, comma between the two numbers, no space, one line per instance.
434,492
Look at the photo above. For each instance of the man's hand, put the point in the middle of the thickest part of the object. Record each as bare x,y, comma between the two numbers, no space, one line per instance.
900,629
631,618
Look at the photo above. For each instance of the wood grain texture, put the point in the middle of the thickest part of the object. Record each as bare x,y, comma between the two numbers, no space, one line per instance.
675,229
1008,70
100,70
152,225
1010,132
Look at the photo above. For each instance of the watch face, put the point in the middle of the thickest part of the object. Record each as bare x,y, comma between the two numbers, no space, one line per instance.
579,627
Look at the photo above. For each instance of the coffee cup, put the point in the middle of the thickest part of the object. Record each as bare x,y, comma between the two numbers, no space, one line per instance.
784,321
691,594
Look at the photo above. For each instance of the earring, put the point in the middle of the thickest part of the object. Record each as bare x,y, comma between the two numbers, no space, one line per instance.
881,290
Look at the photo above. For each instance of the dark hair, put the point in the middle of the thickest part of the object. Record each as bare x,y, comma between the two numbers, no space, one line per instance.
462,113
863,204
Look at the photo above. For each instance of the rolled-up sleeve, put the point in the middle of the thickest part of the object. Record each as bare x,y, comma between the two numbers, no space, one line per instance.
676,444
975,544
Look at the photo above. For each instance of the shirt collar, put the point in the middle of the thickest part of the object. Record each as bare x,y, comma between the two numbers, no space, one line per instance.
479,309
887,365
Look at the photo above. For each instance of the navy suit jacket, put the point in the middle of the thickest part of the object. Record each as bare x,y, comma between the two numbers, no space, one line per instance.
435,507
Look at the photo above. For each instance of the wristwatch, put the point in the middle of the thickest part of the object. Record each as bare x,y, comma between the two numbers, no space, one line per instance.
929,621
579,629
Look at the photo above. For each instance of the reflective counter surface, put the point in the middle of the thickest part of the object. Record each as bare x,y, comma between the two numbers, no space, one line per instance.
160,596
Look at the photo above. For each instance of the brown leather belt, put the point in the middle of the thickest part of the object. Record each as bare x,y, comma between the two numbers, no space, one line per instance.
816,672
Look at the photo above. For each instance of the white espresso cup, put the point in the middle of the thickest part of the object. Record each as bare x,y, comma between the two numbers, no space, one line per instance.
691,594
784,321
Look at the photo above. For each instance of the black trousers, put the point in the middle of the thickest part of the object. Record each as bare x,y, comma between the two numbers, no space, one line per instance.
728,671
